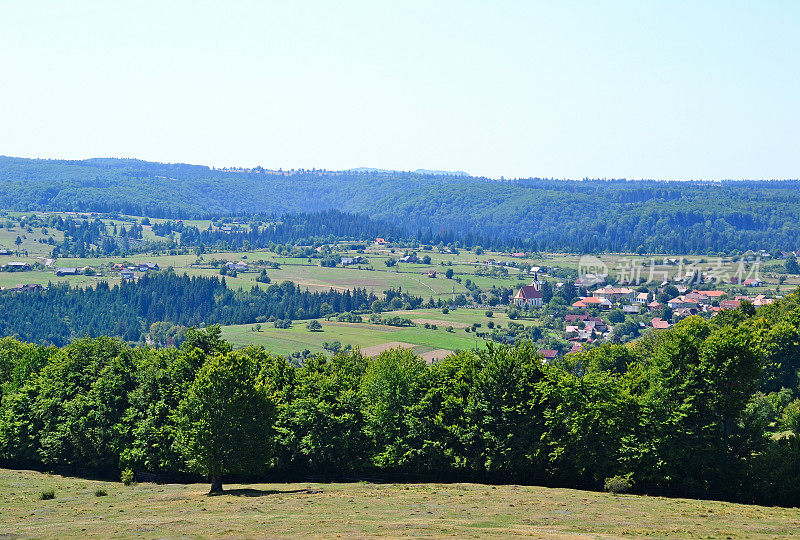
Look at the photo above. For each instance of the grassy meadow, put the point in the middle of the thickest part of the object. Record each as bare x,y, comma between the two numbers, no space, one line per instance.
359,510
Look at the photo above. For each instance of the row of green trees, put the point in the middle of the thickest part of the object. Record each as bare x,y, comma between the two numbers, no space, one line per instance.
707,408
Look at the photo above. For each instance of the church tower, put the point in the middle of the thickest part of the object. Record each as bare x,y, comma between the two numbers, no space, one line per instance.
536,284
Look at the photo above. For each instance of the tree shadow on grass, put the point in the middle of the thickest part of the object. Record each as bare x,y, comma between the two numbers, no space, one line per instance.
249,492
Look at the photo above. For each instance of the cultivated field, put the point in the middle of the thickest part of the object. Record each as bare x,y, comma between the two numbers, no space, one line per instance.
359,510
366,336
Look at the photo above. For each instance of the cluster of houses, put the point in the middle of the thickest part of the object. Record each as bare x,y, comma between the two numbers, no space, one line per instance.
696,302
126,273
69,271
583,328
497,262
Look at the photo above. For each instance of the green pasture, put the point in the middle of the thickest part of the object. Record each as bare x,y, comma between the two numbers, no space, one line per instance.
362,335
82,508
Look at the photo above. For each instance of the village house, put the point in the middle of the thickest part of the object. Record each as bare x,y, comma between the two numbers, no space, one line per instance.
762,300
576,348
675,303
586,302
730,304
29,287
614,294
548,355
16,266
659,324
708,295
641,298
126,274
431,273
146,267
67,272
380,241
682,313
654,306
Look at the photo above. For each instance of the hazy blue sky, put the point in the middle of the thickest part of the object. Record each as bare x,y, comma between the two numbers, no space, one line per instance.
565,89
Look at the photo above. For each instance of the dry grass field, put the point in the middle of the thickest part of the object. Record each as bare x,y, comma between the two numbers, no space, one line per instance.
360,510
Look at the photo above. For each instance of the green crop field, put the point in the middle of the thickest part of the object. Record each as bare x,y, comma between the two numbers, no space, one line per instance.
359,510
363,335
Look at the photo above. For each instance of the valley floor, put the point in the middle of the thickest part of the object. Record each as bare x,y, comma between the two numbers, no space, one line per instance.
365,510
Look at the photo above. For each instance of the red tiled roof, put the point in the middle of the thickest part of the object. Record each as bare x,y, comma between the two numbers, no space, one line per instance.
527,292
659,323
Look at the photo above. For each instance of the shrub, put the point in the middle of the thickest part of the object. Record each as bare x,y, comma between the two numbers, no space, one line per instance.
489,313
100,492
127,477
47,495
619,484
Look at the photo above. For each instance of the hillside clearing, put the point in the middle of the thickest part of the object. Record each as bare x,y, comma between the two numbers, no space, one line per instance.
364,510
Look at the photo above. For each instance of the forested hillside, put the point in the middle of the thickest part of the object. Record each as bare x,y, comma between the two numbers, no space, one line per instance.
585,216
61,313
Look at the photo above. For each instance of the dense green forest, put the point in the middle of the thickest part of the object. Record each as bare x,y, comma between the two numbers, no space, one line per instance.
61,313
537,213
707,408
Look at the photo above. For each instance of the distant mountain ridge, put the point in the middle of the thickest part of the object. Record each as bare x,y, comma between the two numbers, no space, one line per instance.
555,215
418,171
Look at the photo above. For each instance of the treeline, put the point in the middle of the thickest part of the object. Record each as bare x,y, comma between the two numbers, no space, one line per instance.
534,213
705,409
294,228
61,313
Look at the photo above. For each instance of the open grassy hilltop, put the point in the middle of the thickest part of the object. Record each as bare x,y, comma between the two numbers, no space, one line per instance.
365,510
